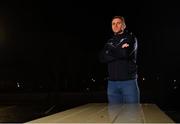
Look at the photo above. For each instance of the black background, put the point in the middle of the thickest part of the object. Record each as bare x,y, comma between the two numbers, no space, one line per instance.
55,44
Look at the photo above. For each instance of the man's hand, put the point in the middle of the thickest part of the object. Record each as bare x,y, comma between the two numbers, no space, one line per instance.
125,45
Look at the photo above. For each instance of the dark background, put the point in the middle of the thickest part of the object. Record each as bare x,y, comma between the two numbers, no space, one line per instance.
51,46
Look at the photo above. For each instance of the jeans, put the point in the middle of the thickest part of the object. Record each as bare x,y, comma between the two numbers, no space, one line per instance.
123,92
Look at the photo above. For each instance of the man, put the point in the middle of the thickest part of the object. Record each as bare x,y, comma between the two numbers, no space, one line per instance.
120,54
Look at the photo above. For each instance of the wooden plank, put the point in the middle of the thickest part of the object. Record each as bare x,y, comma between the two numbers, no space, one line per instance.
57,116
106,113
130,113
83,116
153,114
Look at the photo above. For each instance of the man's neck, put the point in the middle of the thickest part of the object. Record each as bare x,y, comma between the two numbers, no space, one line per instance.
119,33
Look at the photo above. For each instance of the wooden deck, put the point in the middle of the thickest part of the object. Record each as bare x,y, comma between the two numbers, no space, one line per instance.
104,113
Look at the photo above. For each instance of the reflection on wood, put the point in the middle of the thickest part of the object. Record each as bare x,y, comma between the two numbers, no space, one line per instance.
106,113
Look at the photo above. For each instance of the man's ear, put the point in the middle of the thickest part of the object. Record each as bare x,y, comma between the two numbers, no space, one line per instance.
124,26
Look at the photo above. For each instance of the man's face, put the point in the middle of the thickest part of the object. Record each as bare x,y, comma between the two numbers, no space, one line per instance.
117,25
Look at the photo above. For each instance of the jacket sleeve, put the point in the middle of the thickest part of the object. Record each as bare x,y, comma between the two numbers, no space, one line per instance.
105,55
123,53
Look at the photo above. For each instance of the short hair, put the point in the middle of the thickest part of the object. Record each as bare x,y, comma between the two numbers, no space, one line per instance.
121,18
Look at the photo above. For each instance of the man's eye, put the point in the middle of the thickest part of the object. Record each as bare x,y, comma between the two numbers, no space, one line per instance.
113,23
118,23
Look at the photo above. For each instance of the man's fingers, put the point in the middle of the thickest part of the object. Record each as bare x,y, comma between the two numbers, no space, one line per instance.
125,45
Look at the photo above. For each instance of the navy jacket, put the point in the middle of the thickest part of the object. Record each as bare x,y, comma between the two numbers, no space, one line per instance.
121,61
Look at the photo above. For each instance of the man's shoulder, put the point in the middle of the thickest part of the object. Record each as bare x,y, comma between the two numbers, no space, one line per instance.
129,33
110,39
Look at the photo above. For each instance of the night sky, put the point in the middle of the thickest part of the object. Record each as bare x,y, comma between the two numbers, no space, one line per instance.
52,40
